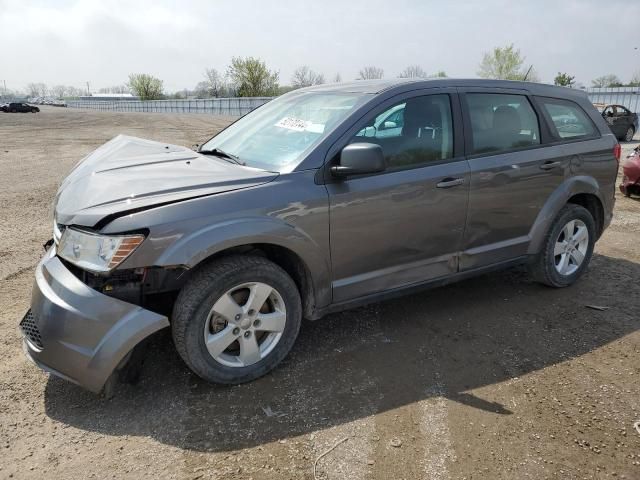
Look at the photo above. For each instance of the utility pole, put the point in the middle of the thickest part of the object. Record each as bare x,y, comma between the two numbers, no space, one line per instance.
88,91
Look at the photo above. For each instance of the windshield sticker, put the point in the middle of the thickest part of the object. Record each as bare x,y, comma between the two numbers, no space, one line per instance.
295,124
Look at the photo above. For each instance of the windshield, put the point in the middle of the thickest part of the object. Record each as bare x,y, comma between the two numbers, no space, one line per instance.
276,136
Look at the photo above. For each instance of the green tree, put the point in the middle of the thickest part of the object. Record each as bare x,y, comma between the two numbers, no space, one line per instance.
251,77
439,74
607,81
147,87
564,80
635,80
506,63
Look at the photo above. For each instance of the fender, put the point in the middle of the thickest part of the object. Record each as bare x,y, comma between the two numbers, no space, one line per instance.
199,245
558,199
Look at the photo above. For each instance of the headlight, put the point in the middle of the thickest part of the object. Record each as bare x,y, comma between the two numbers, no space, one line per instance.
97,253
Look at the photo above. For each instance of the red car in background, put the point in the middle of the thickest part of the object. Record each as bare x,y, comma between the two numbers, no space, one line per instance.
631,174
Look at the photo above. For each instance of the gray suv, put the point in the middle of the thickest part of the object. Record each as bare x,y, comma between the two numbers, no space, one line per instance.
322,199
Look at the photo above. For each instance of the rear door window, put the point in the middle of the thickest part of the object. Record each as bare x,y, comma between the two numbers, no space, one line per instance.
568,119
501,122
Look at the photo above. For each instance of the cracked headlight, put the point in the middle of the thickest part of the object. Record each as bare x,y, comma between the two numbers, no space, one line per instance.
97,253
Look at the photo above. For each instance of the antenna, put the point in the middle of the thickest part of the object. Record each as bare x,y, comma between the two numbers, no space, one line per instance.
527,74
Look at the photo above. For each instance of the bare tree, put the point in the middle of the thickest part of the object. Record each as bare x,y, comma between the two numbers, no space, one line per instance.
115,89
147,87
635,80
337,78
413,71
305,77
59,91
215,83
74,92
607,81
37,89
371,73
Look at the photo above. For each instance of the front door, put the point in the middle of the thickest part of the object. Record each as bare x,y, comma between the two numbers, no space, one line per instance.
403,226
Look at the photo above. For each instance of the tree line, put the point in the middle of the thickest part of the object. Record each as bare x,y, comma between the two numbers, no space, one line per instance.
251,77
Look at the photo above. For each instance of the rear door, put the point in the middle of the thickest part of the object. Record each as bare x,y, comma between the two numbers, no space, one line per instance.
404,225
511,173
623,119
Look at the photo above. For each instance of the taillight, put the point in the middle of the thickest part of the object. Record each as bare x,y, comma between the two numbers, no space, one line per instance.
617,152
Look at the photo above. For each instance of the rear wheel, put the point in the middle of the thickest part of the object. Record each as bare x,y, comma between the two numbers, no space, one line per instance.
628,136
567,248
33,110
236,319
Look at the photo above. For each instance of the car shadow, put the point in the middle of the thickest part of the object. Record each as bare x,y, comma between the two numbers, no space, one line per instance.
442,342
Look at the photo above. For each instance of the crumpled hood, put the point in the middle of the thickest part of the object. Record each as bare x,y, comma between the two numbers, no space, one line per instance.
129,173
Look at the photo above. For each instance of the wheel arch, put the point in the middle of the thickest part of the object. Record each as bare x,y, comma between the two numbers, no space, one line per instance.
296,253
579,190
284,257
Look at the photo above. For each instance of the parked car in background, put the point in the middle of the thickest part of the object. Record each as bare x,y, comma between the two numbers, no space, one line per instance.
324,198
622,121
20,107
631,174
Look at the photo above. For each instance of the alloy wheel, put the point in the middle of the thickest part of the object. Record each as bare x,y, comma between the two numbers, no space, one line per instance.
571,247
245,324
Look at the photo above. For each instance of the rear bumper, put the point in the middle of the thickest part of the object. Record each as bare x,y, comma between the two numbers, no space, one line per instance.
78,333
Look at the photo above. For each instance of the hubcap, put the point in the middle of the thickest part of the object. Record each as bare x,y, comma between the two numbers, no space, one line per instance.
245,324
571,247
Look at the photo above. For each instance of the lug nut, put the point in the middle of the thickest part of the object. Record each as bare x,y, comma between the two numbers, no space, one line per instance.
251,312
247,334
238,317
236,331
256,323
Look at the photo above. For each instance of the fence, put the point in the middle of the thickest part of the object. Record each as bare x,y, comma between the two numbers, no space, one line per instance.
238,106
627,96
234,107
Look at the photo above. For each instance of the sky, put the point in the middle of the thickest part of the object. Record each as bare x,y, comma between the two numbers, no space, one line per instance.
102,42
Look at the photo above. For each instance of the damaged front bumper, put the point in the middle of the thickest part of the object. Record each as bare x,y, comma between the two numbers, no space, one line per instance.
76,332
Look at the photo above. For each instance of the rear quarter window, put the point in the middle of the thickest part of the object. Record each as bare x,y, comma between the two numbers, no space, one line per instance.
568,120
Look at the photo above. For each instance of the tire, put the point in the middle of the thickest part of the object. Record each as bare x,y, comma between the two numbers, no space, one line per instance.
33,110
194,319
546,264
628,136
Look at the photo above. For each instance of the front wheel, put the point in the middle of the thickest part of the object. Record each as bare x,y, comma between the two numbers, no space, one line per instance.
236,319
567,248
33,110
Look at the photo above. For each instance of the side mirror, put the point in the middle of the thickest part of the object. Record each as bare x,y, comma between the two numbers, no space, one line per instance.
360,158
389,124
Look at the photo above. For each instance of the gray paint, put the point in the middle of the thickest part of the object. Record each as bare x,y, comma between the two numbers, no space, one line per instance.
360,238
85,334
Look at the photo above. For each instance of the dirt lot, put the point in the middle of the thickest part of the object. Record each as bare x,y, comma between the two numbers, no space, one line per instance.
492,378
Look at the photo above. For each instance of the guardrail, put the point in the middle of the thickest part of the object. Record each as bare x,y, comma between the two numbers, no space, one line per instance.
234,107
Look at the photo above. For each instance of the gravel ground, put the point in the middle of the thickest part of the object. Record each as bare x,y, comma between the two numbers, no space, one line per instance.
491,378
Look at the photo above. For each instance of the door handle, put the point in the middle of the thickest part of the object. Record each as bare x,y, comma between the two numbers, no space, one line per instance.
450,182
549,165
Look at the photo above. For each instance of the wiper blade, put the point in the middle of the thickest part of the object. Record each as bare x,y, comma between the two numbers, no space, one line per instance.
216,152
